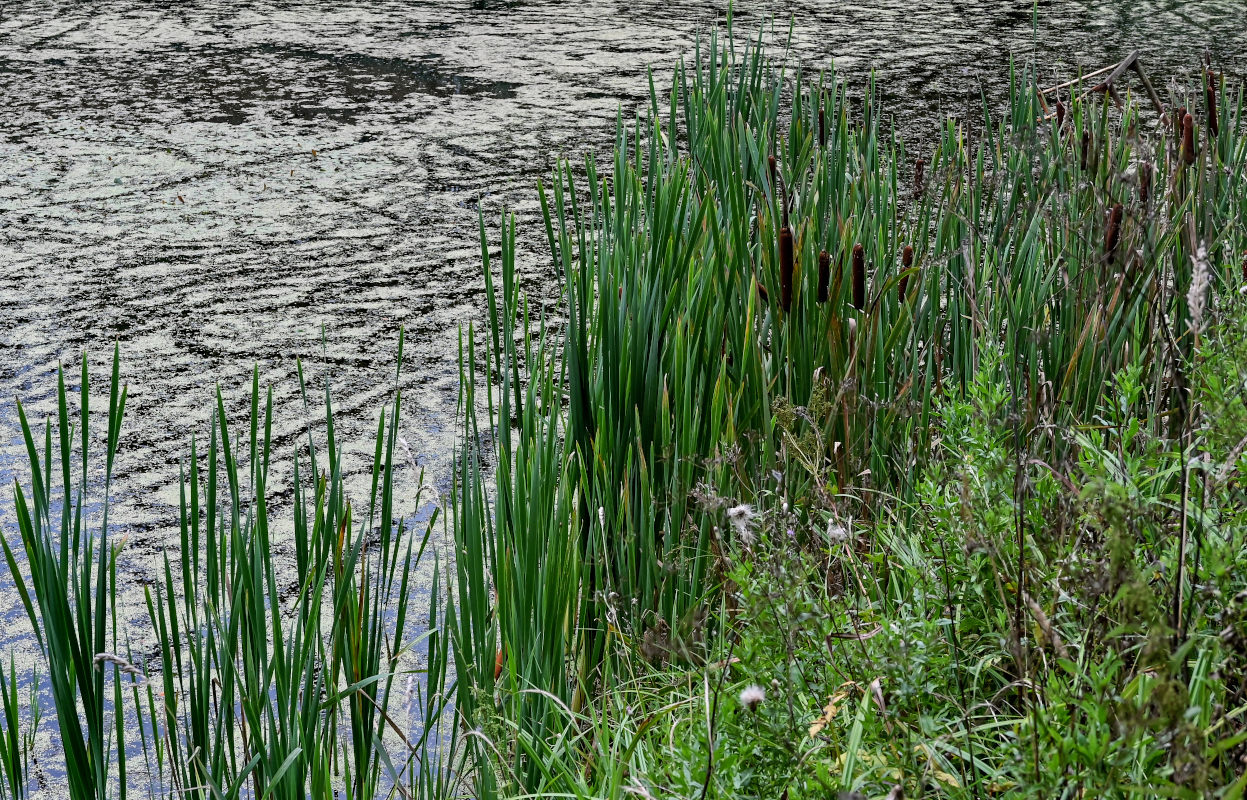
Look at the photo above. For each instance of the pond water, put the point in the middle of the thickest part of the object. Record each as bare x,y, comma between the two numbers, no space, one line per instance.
221,185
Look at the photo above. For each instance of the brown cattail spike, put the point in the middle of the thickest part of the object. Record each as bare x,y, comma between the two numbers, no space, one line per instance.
1060,115
1188,139
907,261
1145,182
773,169
1086,149
785,268
822,128
1210,95
859,277
824,275
1112,233
920,167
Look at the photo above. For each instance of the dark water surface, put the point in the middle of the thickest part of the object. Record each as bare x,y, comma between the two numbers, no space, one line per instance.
213,184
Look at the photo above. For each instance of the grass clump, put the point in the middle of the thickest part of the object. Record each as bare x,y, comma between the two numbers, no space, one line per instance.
254,676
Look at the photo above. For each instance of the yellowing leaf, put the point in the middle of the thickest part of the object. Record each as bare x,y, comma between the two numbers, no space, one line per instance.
829,713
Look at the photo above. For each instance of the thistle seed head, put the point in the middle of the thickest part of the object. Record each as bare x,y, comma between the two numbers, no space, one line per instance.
752,696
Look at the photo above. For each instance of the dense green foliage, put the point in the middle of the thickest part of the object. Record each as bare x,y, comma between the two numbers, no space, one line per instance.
965,514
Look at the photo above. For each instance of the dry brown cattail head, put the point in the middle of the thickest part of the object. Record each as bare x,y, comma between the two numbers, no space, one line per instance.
824,275
907,261
1210,97
1060,115
859,277
1112,233
773,168
786,268
1145,182
920,167
1188,139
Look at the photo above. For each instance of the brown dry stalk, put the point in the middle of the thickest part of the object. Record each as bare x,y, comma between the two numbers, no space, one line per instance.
1045,625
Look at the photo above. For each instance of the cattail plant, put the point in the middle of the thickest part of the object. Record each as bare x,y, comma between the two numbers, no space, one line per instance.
786,259
1085,157
772,170
919,169
822,128
1188,139
1060,115
824,275
907,261
1112,233
1145,182
859,277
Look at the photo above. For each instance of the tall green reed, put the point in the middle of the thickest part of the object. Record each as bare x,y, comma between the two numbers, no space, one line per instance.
69,595
15,743
264,679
